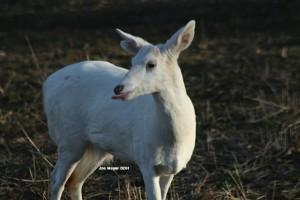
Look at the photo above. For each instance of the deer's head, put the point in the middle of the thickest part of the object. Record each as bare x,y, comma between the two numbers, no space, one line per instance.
153,66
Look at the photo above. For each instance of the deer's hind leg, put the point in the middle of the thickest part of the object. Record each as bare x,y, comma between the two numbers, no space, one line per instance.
65,165
89,162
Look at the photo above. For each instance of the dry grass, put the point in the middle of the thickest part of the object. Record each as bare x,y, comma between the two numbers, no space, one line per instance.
245,88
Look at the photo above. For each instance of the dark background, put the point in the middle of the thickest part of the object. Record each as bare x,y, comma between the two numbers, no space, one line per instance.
242,73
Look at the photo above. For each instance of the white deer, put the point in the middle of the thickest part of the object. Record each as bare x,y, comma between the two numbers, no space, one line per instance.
155,127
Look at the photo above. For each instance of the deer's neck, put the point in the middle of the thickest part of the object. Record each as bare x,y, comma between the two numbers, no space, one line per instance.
175,110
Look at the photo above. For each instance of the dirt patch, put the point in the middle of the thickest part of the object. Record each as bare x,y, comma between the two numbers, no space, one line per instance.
243,83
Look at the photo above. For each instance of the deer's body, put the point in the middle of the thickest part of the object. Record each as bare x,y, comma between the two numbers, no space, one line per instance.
155,129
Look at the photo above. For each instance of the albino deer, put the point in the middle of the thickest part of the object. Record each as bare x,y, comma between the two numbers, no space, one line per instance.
155,127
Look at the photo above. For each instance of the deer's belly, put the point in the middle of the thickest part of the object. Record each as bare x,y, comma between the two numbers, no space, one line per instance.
163,170
171,161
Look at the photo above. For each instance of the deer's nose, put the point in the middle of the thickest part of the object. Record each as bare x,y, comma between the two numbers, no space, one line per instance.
118,89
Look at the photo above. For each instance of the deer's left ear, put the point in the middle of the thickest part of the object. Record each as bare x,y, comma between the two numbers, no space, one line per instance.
182,38
130,43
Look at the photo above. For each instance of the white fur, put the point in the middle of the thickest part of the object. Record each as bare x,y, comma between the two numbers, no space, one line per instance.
155,127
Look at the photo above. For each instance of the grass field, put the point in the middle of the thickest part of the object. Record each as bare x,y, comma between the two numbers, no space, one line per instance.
243,75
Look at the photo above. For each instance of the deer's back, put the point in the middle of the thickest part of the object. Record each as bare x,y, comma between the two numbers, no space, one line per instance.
70,93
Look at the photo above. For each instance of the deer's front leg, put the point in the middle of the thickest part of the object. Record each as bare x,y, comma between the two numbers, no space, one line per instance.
151,184
165,182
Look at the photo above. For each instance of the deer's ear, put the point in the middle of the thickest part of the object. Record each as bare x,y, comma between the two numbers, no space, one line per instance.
182,38
130,43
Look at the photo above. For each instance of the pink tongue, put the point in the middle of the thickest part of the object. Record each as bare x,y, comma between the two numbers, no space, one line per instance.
118,97
121,96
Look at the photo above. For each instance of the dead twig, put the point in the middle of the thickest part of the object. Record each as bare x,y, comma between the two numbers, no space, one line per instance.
268,116
262,101
29,180
34,57
33,144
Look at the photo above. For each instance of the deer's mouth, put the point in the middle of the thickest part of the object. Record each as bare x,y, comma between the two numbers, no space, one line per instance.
121,96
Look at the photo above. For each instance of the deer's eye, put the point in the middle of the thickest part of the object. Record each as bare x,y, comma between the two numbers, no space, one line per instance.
150,65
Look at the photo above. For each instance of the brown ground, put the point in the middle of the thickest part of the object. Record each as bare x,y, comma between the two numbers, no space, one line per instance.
242,73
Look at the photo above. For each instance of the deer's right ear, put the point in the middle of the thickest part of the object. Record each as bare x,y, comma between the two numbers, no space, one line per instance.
130,43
